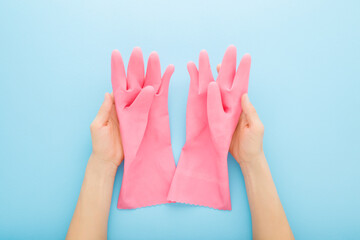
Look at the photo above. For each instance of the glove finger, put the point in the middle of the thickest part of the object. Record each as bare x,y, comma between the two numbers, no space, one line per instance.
228,68
165,81
240,86
118,76
153,72
241,80
134,120
142,102
194,77
135,72
205,74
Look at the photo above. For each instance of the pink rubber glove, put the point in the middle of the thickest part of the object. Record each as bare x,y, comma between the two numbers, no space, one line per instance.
142,109
213,111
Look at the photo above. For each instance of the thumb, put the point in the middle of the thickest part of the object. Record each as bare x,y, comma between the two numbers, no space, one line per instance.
103,115
136,119
143,101
249,110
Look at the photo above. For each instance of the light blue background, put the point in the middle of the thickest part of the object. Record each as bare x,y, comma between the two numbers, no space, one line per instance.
304,83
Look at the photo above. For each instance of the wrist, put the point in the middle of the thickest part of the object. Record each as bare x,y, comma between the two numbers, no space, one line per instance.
101,167
253,163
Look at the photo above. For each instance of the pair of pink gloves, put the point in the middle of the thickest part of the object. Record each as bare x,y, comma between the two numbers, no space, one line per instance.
213,110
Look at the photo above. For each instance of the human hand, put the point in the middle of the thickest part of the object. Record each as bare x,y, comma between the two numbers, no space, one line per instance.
247,140
93,205
267,214
105,134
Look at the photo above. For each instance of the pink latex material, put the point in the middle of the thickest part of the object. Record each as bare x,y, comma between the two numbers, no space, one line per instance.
213,111
142,109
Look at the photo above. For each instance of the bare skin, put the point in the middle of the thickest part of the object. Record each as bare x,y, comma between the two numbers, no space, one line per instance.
92,210
267,214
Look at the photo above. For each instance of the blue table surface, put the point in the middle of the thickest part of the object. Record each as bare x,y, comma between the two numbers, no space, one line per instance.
304,83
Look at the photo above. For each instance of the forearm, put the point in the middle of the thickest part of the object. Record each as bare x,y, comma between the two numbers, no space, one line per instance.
92,209
268,217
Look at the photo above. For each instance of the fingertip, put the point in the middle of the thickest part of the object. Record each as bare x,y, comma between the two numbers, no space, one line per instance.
111,96
231,47
191,66
204,61
213,86
148,89
108,100
115,52
170,68
218,67
245,95
192,69
230,53
137,49
136,54
246,58
213,90
154,55
168,73
245,102
247,55
203,53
